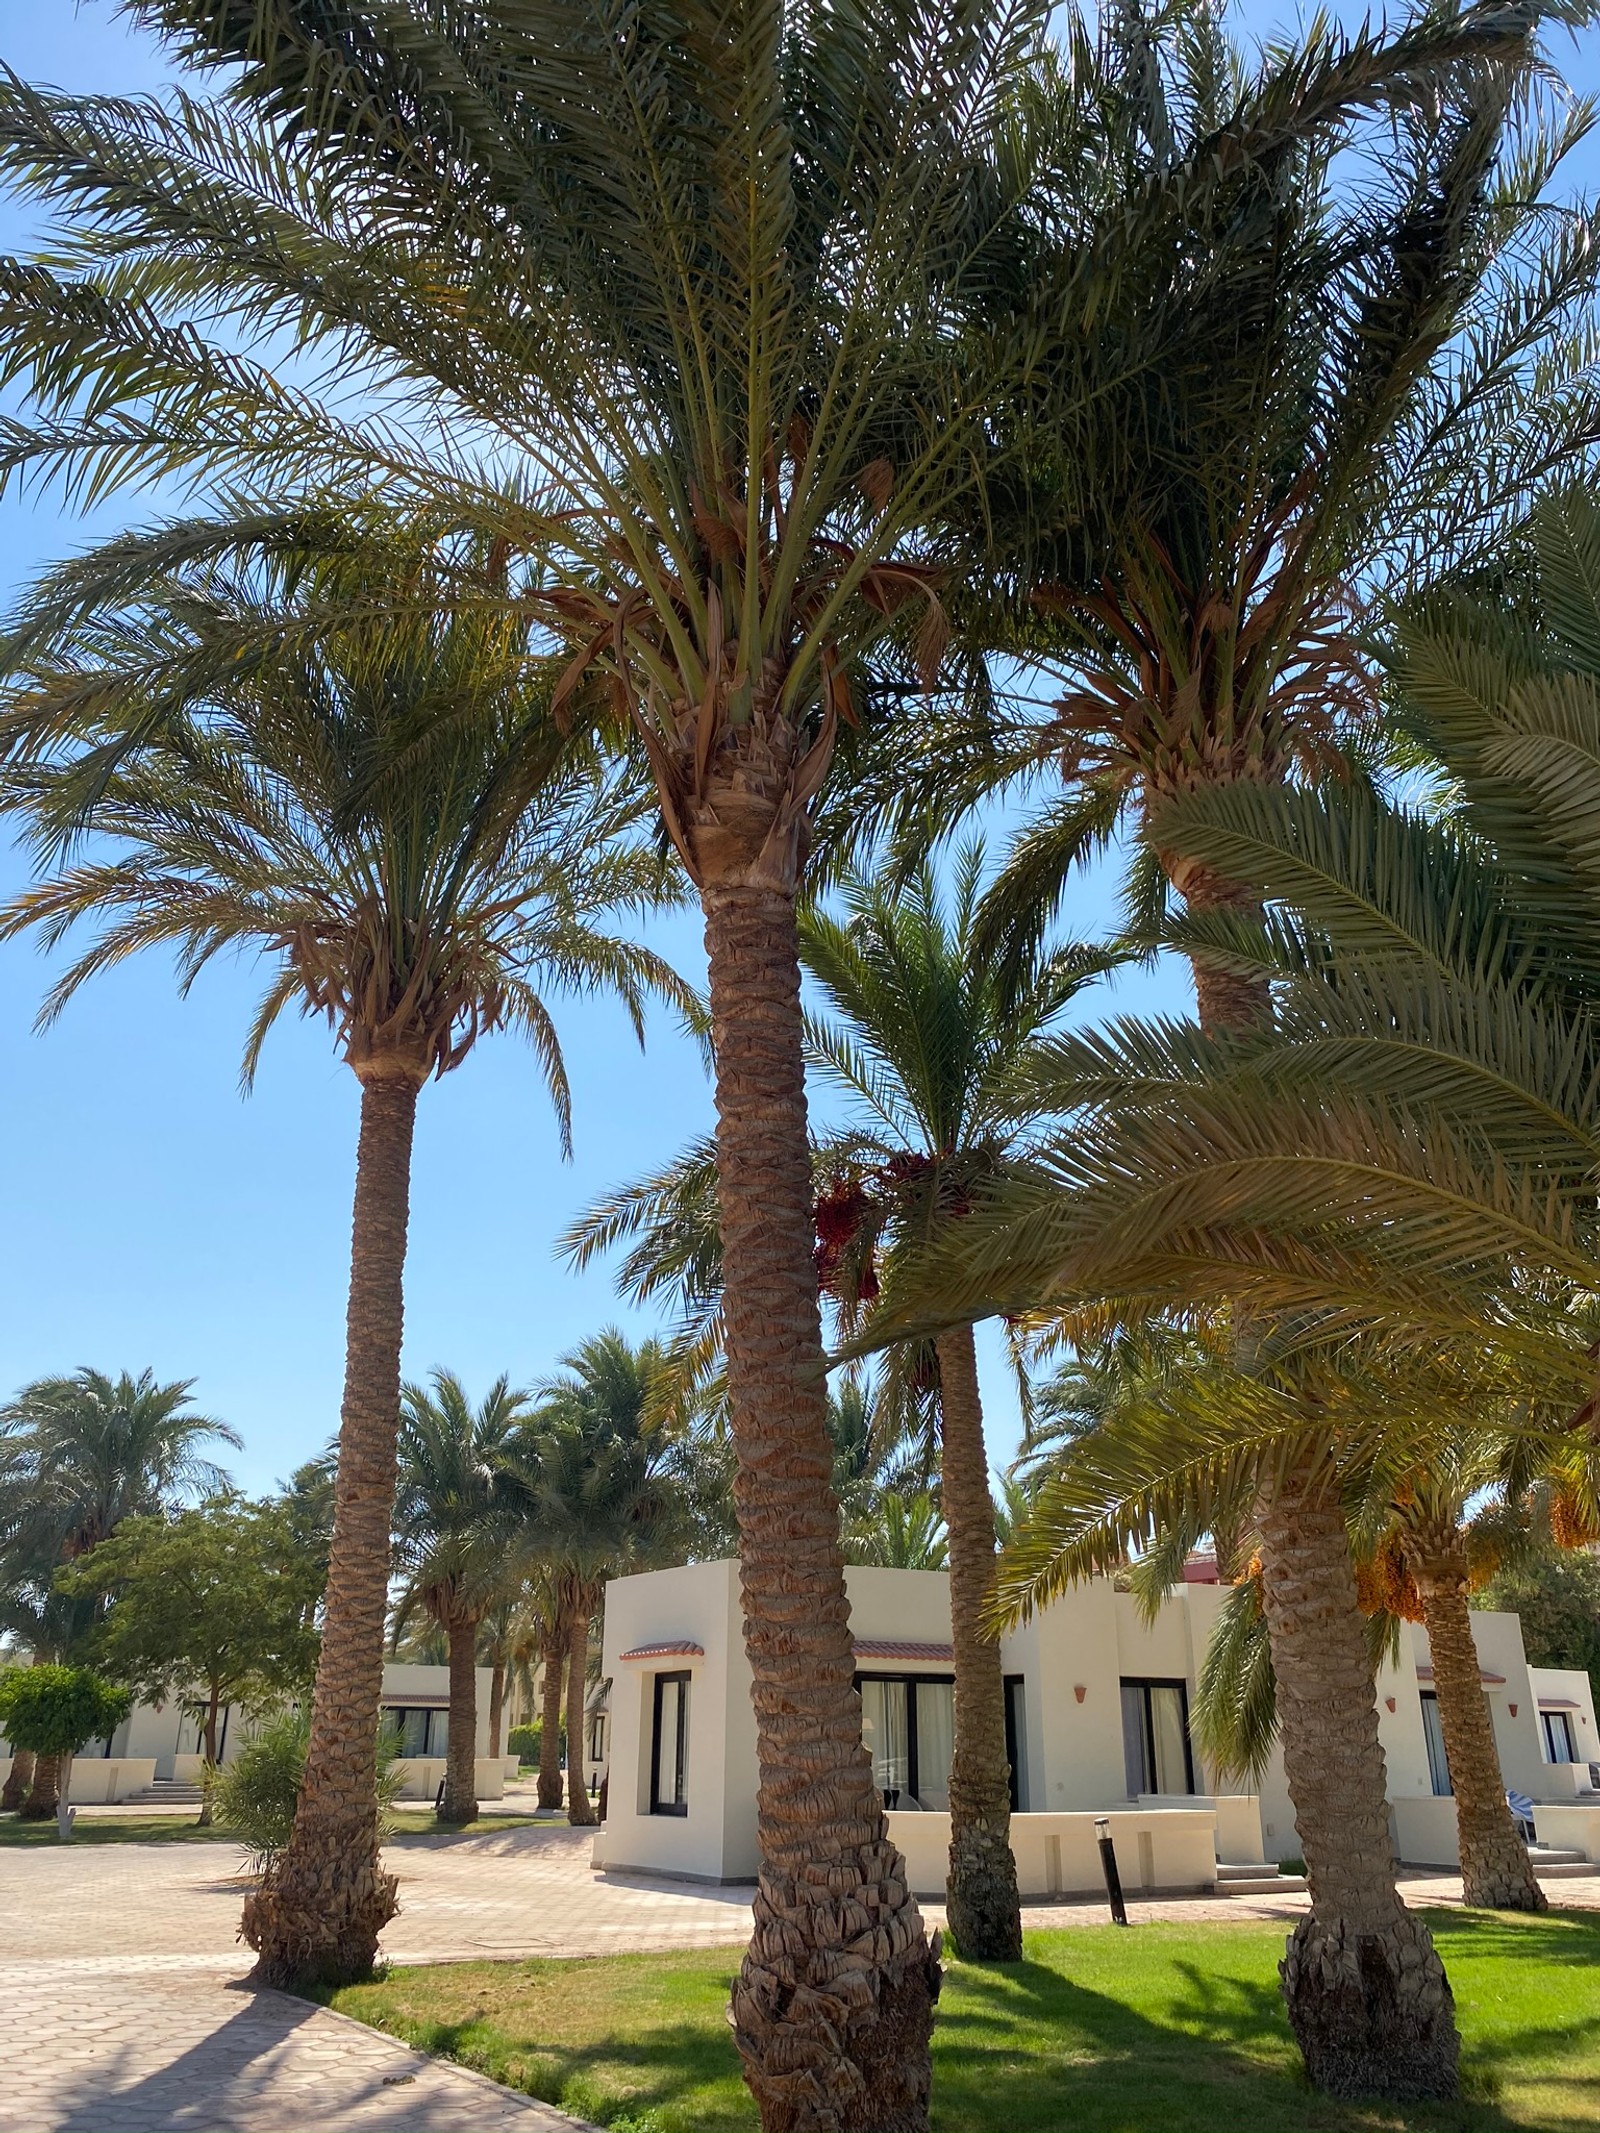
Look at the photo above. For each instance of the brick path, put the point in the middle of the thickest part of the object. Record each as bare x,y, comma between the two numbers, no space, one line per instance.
120,1980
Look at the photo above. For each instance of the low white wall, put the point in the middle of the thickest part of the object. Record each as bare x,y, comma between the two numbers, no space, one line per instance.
1238,1820
1572,1829
422,1775
1423,1831
1059,1854
99,1779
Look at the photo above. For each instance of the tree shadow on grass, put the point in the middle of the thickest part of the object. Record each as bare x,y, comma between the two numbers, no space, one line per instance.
1027,2049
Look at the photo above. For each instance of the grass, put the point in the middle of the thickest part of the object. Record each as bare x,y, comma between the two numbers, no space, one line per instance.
1164,2029
183,1829
112,1829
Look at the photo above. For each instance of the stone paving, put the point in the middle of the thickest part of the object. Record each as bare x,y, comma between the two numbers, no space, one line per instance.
121,1978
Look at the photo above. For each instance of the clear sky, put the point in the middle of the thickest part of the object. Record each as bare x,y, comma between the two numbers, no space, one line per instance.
151,1216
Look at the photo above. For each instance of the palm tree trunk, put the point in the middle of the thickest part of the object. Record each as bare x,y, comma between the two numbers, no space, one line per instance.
1225,1000
497,1704
1496,1872
317,1914
40,1805
579,1811
833,2004
984,1909
550,1688
1369,2003
460,1802
20,1778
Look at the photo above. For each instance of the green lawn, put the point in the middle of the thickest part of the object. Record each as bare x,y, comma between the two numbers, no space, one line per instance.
182,1829
1162,2029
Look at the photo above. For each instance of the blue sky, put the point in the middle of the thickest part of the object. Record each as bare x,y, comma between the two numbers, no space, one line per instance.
151,1215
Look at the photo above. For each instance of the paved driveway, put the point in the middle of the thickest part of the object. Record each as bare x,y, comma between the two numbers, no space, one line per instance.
125,2011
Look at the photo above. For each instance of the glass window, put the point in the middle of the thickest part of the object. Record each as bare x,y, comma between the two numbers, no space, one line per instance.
417,1732
1016,1736
669,1746
1155,1737
908,1724
1433,1734
1557,1729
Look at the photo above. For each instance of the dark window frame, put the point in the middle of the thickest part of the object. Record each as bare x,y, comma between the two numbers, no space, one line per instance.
1432,1737
1014,1743
947,1681
1546,1719
658,1806
1147,1682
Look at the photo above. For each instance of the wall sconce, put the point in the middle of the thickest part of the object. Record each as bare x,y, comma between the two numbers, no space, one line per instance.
1389,1700
1079,1690
1511,1707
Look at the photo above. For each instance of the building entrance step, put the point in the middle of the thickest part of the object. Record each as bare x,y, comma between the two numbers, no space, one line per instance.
1255,1877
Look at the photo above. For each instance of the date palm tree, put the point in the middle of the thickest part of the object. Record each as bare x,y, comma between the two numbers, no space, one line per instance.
78,1455
588,1482
1412,1152
452,1535
378,801
928,1042
714,289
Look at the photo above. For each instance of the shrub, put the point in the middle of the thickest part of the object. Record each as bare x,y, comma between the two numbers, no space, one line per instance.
523,1741
56,1710
253,1797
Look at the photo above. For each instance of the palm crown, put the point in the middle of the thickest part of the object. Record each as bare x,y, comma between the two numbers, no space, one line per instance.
376,796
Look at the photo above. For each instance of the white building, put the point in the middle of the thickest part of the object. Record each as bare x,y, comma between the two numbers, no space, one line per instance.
159,1744
1097,1704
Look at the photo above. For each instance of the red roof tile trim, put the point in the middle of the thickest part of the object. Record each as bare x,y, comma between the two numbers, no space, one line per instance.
675,1648
1559,1703
1494,1681
898,1648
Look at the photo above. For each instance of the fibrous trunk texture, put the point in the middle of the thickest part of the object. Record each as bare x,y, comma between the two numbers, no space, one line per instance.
550,1693
579,1809
460,1802
833,2005
1369,2003
984,1909
1496,1872
497,1706
1226,1001
40,1805
316,1917
18,1781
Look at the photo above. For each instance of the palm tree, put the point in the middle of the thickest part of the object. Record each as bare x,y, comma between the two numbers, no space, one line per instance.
735,352
596,1502
509,1646
379,800
452,1533
78,1455
1413,1151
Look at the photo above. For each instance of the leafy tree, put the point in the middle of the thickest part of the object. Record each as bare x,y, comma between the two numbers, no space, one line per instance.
712,290
212,1604
454,1534
379,799
52,1712
1556,1592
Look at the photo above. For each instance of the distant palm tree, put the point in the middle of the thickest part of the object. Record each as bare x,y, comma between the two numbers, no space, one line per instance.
310,756
597,1501
78,1455
454,1533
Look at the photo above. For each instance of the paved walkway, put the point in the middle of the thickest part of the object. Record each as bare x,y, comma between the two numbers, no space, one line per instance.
121,1979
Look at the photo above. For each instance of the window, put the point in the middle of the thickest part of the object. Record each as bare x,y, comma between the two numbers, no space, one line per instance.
1556,1727
1433,1734
669,1746
1016,1736
417,1730
908,1723
1155,1737
597,1736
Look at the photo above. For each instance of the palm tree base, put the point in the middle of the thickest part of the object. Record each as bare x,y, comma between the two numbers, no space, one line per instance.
982,1901
833,2004
317,1915
40,1804
19,1784
1503,1888
1373,2013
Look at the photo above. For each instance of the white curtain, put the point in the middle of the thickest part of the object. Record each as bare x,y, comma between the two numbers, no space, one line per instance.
885,1731
936,1739
1166,1726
